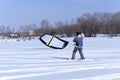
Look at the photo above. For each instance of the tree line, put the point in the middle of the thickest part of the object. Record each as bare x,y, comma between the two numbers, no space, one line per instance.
89,24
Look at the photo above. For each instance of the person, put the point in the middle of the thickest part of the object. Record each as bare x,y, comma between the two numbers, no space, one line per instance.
78,45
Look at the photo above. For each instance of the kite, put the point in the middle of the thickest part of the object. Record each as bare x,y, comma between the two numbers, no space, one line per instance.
53,41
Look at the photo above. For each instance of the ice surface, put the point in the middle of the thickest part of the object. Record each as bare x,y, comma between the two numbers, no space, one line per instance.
32,60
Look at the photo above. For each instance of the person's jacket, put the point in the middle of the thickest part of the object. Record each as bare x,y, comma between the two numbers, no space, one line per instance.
79,40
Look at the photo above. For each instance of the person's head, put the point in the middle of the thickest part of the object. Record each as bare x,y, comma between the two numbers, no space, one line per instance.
78,33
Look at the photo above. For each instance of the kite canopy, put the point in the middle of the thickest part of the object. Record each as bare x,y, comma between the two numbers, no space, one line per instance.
53,41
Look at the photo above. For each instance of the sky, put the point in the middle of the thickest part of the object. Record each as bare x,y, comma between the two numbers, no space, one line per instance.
15,13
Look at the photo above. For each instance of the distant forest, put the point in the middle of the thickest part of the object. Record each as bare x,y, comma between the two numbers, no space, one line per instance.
89,24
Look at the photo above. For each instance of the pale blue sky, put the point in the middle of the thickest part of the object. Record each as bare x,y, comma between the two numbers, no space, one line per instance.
15,13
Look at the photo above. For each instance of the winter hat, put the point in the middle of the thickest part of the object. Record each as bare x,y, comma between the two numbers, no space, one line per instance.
78,33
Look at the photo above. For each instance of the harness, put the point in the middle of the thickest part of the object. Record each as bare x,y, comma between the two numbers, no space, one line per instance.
79,44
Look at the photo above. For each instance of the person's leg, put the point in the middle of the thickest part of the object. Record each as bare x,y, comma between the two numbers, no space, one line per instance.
74,53
81,53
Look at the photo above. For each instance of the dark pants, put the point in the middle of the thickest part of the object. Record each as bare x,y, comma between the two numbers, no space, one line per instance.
80,52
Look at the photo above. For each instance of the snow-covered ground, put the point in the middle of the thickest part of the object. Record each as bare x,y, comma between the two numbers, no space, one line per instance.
32,60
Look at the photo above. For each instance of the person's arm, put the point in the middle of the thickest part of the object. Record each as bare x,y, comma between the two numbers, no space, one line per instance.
74,40
82,35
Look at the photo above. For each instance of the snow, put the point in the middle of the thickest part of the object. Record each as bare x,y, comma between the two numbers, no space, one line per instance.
32,60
